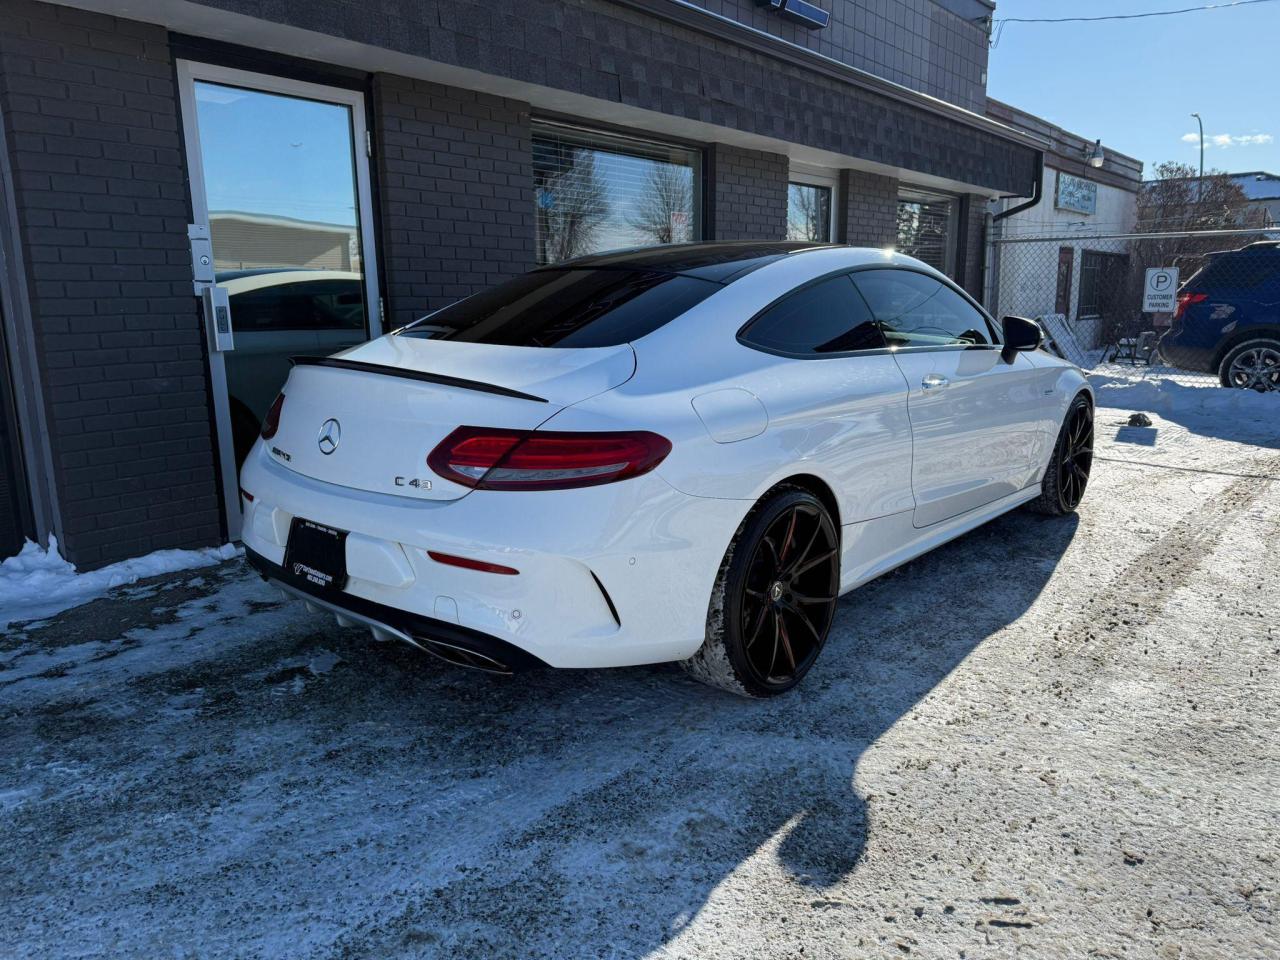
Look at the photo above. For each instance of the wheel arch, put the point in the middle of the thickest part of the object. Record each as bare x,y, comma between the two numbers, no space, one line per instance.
816,486
1237,337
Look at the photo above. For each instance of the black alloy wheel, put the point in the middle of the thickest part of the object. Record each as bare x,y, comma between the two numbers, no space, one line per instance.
774,598
1064,482
1076,458
789,597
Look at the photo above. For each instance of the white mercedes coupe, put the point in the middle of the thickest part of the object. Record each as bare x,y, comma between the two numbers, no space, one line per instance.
681,453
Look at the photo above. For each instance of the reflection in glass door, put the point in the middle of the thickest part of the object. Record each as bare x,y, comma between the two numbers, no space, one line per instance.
279,181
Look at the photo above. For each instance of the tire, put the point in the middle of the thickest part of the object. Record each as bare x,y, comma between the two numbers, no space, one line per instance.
1067,475
1252,365
774,597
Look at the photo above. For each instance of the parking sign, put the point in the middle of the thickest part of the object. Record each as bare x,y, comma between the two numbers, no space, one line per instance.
1160,292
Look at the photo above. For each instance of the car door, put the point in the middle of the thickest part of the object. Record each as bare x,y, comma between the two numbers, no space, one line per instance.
973,416
834,397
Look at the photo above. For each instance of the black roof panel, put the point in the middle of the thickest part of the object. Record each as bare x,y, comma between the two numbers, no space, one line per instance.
719,262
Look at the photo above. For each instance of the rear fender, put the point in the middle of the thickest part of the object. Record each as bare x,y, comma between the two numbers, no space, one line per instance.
1239,336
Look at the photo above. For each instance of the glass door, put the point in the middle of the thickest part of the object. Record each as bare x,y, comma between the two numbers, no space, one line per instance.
282,245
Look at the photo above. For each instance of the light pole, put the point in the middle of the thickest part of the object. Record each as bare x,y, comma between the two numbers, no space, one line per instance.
1200,182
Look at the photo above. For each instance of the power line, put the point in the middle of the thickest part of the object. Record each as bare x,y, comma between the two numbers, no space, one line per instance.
1001,22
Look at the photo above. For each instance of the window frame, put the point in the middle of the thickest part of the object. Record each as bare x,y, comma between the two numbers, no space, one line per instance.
997,340
950,244
700,206
803,177
1094,273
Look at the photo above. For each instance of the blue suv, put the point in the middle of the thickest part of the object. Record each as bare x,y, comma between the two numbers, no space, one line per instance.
1228,318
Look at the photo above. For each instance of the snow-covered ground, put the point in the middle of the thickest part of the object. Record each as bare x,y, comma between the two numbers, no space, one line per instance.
1212,407
38,583
1052,738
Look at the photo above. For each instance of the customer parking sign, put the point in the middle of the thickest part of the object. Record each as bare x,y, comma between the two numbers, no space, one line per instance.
1159,293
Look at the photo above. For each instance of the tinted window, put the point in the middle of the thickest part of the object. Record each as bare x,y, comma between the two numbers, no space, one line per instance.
1246,270
914,310
567,308
827,317
310,305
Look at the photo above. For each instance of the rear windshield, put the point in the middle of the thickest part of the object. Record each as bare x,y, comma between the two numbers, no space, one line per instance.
567,308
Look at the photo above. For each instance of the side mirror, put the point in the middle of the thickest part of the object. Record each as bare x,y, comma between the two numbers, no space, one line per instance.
1019,334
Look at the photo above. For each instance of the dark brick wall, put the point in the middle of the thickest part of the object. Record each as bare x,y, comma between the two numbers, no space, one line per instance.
970,230
616,53
748,198
917,43
91,117
455,173
868,214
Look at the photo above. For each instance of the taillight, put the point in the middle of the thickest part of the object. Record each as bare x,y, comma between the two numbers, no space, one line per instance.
492,459
271,423
466,563
1185,300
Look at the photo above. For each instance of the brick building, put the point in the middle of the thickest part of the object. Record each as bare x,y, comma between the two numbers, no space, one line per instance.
365,162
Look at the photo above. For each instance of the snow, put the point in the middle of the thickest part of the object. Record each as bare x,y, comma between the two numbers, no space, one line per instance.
1177,399
38,582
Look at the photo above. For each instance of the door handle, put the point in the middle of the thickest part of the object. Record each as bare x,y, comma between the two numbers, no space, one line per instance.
932,381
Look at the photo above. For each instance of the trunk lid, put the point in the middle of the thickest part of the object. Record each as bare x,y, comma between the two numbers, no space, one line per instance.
394,399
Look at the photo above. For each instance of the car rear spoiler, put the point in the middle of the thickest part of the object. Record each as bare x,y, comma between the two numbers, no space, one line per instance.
421,375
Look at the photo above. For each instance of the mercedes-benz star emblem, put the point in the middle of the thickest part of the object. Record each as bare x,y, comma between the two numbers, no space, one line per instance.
330,435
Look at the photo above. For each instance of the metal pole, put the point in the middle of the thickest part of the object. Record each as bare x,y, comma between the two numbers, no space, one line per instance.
1200,182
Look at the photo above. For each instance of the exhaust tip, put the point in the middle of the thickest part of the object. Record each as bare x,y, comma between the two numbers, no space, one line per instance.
462,657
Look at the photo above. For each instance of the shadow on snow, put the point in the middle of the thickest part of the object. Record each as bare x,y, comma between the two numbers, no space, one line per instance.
394,807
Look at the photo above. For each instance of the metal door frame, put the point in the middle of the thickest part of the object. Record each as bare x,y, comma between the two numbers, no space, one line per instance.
188,72
19,366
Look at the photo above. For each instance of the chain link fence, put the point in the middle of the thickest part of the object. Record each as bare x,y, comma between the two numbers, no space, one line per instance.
1220,322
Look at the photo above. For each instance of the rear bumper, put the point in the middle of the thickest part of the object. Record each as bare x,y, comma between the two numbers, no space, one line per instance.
1175,351
449,641
614,575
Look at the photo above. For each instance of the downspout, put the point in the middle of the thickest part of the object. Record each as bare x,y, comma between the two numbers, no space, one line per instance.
1036,190
988,245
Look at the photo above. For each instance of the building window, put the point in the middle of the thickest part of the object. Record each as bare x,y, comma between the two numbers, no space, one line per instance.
1102,278
808,211
926,228
596,191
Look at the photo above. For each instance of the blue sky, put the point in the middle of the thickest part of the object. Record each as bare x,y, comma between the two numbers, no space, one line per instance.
276,155
1135,83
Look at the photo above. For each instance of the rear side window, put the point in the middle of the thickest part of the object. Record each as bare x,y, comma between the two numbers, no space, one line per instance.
567,308
1246,270
826,317
915,310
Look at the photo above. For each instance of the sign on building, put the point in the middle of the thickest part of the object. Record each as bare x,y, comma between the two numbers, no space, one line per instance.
1076,193
801,11
1160,291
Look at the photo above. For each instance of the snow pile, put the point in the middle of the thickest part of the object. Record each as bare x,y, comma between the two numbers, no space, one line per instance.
1169,398
38,583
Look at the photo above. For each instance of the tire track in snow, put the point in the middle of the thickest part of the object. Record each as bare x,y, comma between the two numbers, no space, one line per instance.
1137,596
